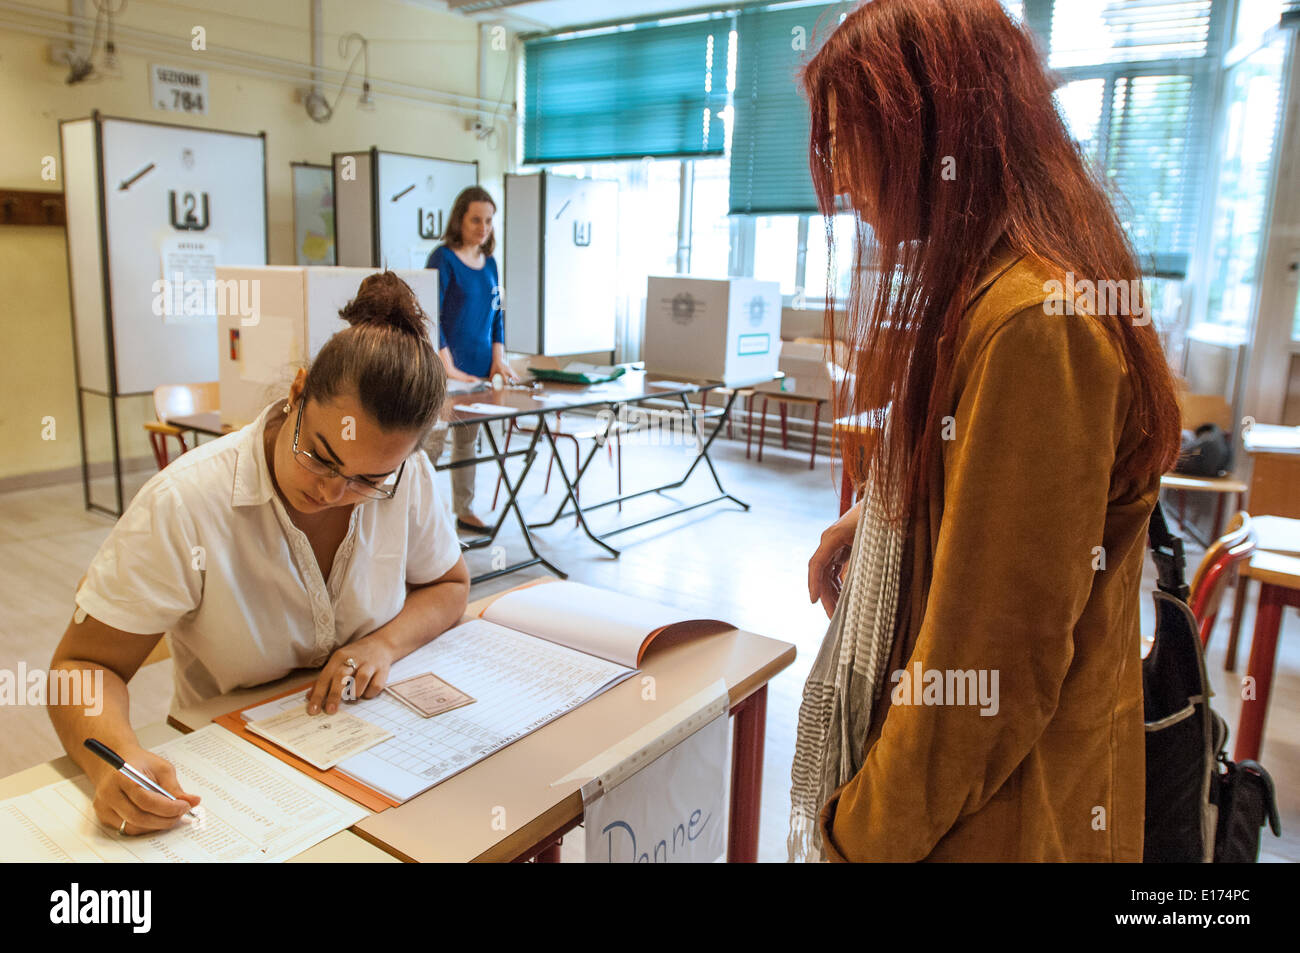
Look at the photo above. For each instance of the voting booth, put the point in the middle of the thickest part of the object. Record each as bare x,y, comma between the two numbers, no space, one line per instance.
297,312
152,210
725,329
391,208
561,261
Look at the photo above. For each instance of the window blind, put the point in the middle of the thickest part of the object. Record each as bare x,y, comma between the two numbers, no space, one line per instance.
1085,32
769,139
1150,66
1154,155
651,91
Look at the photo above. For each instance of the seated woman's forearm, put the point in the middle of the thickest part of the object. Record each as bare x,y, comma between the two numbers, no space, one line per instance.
429,611
107,719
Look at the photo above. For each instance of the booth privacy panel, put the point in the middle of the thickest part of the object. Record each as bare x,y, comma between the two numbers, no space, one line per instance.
354,237
561,264
299,312
392,208
85,272
177,202
414,201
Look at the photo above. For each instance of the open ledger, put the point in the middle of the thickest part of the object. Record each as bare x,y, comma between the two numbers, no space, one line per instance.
534,654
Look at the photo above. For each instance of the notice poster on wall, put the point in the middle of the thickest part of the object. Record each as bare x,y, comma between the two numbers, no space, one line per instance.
313,214
187,292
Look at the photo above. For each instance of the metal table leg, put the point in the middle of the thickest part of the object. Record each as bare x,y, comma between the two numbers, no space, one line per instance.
702,454
512,503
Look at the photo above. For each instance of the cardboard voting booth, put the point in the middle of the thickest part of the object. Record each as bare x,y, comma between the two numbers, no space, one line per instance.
152,210
297,311
390,208
561,263
715,329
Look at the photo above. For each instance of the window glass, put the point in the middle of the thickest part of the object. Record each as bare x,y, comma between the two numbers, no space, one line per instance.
1080,105
710,224
1252,92
815,273
1086,32
776,249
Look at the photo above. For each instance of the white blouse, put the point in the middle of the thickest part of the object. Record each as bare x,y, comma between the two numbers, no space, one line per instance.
206,553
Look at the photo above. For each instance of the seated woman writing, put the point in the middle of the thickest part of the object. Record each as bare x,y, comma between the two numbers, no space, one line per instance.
312,537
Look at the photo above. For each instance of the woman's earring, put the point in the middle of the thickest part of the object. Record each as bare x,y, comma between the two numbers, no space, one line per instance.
287,407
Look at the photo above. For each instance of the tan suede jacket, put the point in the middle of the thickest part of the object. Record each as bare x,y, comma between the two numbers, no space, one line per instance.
1025,561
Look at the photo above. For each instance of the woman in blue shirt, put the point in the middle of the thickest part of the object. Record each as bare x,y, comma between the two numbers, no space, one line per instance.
471,327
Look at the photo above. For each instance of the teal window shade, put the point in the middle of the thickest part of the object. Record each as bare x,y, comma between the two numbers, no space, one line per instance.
654,91
769,140
1156,150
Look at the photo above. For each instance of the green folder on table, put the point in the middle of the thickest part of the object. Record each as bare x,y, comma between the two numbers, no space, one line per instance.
576,372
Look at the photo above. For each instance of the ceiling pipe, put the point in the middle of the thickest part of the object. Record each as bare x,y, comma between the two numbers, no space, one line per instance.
147,43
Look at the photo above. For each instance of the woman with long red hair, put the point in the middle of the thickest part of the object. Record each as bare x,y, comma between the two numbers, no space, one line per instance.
978,695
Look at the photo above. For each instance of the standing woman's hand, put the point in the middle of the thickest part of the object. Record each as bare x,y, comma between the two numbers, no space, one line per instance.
826,567
505,370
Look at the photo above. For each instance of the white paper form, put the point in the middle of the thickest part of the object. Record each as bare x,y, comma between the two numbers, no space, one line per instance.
254,808
596,621
520,684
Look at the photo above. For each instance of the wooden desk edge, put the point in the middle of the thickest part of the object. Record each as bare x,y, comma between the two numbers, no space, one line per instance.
553,820
565,815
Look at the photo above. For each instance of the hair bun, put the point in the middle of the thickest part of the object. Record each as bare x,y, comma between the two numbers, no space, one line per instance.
385,299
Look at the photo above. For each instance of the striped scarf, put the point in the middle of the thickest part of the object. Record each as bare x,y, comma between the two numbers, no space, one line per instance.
848,674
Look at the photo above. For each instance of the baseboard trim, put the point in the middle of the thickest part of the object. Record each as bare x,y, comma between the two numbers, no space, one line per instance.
31,481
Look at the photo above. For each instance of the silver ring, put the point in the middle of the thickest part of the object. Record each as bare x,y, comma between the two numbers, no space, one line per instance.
122,828
351,664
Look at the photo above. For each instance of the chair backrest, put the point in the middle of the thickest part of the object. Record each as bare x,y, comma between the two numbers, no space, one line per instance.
1206,409
1233,547
177,400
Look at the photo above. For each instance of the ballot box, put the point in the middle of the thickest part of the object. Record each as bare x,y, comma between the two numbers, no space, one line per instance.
718,329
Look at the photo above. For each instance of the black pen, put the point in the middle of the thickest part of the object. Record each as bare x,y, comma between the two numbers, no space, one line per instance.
115,759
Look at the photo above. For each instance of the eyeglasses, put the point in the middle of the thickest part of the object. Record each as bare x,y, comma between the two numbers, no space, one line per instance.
359,485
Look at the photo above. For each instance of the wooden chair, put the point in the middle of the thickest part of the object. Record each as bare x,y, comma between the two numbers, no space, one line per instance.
177,400
1198,409
1273,534
1219,565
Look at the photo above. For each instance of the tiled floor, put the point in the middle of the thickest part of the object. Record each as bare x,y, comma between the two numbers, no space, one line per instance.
747,568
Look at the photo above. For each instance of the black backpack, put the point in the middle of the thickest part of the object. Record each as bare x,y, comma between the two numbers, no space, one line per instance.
1200,807
1205,453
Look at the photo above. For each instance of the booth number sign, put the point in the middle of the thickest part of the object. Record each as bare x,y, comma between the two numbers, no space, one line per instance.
179,90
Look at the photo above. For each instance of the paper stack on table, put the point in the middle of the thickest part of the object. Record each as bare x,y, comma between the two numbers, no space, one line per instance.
321,740
254,808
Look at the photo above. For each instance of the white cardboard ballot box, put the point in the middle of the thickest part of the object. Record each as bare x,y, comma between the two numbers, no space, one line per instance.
297,312
725,329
